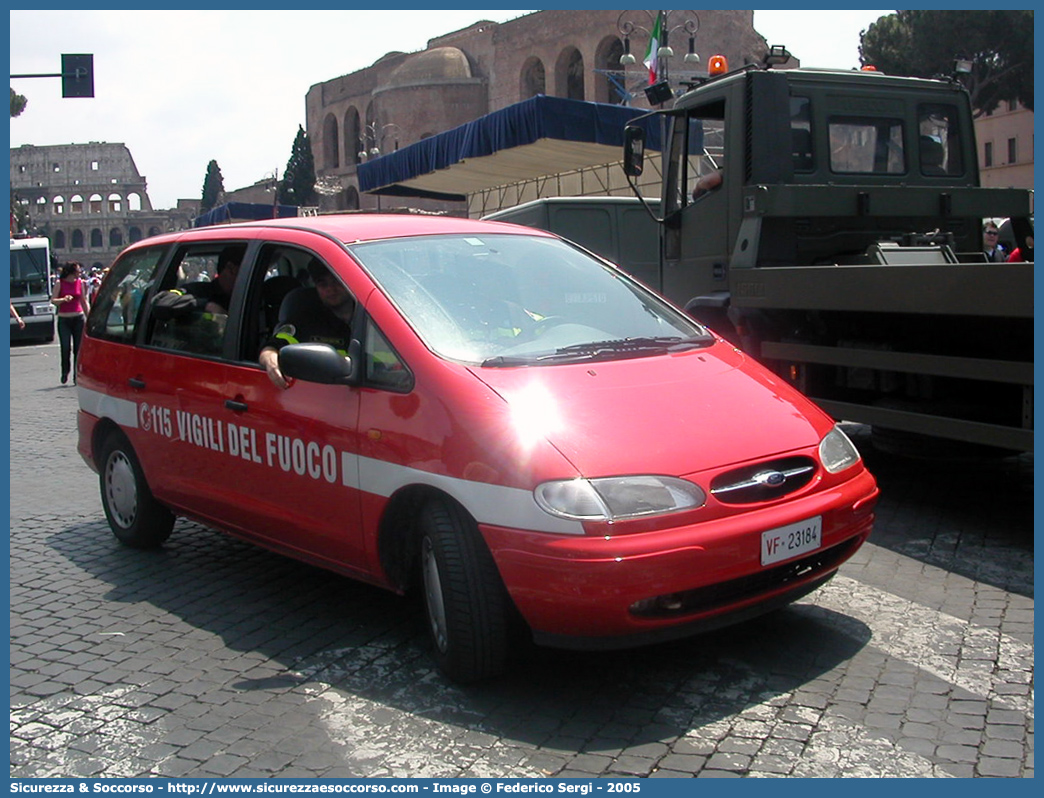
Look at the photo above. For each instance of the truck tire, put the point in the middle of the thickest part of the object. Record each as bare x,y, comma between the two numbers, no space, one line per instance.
135,517
466,604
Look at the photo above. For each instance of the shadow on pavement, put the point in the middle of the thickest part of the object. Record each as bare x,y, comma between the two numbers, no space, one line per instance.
972,516
324,629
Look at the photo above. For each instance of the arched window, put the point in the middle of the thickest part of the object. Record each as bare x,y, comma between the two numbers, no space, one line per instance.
330,141
533,80
59,239
76,203
96,239
77,239
58,205
569,74
609,83
96,203
115,237
134,202
134,234
115,203
352,136
154,231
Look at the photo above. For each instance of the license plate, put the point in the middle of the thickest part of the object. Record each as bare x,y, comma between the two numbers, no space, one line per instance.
791,541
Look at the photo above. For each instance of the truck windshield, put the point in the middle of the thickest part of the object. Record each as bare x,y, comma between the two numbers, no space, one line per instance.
503,300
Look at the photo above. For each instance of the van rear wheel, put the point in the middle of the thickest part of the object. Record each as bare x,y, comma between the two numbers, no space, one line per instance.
135,517
466,604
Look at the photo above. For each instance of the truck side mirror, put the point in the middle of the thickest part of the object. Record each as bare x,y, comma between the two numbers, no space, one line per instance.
634,151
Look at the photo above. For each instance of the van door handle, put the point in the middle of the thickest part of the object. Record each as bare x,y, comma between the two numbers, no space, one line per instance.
236,406
136,382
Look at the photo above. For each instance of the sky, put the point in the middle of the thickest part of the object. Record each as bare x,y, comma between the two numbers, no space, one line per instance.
182,88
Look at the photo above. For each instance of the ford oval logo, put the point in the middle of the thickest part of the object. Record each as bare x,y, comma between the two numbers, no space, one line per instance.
772,479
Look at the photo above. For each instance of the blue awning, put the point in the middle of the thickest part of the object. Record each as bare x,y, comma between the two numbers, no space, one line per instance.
242,212
535,138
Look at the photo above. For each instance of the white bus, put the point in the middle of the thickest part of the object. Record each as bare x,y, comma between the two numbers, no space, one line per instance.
31,289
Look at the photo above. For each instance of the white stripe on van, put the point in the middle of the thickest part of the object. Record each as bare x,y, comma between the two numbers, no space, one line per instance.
123,411
489,504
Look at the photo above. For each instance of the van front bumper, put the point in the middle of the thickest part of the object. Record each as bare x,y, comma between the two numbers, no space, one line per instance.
619,591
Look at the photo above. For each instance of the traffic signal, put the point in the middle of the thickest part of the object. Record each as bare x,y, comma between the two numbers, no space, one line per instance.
77,75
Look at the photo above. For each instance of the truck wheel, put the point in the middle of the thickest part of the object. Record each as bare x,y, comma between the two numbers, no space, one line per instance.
465,601
135,517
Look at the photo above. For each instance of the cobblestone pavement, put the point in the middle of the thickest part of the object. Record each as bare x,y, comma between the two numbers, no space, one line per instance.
213,658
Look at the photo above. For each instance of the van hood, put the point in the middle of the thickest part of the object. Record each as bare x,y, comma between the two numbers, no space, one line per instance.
672,415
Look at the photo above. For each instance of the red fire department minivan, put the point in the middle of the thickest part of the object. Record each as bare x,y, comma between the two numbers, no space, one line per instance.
504,419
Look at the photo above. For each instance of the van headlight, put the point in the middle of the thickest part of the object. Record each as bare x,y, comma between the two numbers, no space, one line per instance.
837,452
618,498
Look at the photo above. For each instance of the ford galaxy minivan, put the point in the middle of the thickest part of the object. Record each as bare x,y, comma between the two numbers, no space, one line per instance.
514,428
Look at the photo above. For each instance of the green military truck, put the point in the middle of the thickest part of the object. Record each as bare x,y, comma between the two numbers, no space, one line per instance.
830,224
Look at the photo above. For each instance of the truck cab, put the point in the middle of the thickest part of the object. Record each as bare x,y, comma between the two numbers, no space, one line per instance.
830,223
817,166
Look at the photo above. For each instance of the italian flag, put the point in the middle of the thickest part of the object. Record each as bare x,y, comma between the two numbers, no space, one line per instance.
654,46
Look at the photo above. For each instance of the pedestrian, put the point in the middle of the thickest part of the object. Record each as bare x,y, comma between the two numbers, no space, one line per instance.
70,295
991,246
18,319
1022,254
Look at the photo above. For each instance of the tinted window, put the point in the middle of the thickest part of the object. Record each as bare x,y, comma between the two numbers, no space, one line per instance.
940,140
801,134
866,145
196,271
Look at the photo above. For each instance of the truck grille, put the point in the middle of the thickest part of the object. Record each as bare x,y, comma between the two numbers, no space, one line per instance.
763,481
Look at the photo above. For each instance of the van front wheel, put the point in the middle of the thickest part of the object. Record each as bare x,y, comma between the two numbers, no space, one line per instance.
464,599
135,517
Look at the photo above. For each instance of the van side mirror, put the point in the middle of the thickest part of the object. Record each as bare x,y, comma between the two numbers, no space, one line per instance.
634,151
321,363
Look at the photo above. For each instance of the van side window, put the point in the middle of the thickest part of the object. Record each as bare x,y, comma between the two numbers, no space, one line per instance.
279,269
117,308
191,313
384,368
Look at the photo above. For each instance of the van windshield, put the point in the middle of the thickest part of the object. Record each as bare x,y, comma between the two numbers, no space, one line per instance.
505,300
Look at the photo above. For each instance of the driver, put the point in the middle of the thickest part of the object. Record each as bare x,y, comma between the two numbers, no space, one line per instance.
303,320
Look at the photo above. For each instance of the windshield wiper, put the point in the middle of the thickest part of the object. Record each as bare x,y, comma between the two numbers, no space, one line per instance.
626,346
602,350
506,361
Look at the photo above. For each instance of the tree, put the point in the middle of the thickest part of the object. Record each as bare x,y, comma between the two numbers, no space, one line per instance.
298,184
18,103
213,187
925,44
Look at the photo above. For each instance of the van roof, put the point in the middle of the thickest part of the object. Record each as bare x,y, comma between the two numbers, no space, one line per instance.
354,227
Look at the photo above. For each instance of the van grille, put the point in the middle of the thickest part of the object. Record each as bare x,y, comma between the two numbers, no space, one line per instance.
763,481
